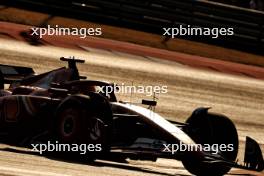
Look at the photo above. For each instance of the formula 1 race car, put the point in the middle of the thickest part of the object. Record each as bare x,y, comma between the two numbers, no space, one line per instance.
65,107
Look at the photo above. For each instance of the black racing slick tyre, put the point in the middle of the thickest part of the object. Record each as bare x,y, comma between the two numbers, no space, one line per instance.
84,120
213,129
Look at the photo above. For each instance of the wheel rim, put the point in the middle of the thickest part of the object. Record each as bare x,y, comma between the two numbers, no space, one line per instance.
68,126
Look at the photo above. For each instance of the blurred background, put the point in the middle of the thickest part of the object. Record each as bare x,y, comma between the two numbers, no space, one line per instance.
142,22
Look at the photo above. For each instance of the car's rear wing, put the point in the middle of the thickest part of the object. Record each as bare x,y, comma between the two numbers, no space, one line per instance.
9,74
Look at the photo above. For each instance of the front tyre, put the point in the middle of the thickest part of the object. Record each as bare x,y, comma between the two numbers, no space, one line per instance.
212,129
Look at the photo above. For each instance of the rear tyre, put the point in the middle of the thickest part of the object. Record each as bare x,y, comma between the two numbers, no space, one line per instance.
85,122
209,128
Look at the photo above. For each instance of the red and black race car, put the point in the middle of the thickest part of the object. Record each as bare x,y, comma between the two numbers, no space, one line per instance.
65,107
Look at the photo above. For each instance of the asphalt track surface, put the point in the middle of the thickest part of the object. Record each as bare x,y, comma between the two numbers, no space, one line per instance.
239,97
